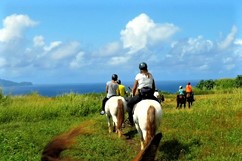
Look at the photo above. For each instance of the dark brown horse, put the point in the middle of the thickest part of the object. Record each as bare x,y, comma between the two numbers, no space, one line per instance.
189,99
181,100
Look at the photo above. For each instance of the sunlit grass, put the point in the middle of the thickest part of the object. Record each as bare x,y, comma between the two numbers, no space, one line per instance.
210,130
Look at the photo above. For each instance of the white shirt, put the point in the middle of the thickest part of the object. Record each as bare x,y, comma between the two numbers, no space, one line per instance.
144,80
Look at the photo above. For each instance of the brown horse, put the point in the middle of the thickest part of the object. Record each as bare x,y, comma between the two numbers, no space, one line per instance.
189,99
181,100
53,150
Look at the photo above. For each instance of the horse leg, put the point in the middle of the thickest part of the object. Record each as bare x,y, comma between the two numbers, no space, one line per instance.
109,124
114,127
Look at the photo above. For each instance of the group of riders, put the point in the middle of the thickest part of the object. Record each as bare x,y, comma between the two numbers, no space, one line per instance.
143,88
187,90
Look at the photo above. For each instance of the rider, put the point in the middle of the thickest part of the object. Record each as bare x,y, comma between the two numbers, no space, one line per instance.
181,91
145,85
121,91
111,88
189,89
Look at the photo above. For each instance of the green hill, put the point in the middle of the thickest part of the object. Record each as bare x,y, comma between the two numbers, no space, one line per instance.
7,83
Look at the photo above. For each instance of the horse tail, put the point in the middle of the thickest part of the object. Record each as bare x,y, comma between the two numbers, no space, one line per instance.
151,124
55,147
120,115
149,153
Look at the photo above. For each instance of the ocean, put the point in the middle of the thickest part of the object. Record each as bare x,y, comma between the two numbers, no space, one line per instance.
52,90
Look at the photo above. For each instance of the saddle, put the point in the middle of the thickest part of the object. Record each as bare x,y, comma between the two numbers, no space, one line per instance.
146,92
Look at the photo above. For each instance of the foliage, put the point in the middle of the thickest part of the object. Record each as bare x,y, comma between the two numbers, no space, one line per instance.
238,81
206,84
210,130
224,83
219,84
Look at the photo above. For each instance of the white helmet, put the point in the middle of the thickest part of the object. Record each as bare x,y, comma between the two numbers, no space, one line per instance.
180,87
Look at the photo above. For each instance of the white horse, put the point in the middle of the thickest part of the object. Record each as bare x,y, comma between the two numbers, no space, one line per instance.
147,116
115,107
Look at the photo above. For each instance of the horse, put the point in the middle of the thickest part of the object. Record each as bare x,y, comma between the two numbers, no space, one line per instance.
115,107
189,99
181,100
53,150
147,116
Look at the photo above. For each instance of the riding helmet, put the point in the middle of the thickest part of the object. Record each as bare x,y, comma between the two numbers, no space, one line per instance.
180,87
119,81
114,77
143,66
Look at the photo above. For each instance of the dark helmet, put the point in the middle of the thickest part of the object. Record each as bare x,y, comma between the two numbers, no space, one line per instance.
119,81
143,66
114,77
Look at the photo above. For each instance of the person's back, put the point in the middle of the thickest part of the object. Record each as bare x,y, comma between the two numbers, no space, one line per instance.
181,92
145,84
111,88
188,88
121,91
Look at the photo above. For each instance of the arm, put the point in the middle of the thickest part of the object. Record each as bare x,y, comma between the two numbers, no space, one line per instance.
153,85
106,89
135,87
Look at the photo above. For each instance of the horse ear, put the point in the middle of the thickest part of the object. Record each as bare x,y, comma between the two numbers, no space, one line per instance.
148,154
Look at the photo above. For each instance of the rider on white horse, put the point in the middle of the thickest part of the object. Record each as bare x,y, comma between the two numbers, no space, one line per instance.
145,84
111,90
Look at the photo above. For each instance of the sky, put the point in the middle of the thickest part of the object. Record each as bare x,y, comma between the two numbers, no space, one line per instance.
59,41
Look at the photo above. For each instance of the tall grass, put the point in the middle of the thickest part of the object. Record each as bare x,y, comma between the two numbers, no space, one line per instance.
210,130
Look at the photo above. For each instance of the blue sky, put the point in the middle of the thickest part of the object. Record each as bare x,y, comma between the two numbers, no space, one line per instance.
75,41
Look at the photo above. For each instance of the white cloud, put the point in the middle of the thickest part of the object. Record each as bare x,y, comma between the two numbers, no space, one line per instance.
52,46
110,49
14,26
140,41
119,60
190,48
78,61
229,39
142,31
65,50
238,42
38,41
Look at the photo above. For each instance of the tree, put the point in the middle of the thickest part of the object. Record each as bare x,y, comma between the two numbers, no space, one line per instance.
206,84
238,81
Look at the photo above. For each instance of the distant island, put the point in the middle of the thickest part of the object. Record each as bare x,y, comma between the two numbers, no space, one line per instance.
7,83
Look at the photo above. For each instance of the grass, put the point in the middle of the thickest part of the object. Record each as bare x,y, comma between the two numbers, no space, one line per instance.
210,130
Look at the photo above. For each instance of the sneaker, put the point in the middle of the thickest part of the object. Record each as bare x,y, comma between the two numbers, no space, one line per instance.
102,112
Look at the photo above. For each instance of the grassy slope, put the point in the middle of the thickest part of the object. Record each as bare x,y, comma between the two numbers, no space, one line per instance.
211,130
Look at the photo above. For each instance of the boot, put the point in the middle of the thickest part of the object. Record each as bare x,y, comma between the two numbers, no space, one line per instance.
131,121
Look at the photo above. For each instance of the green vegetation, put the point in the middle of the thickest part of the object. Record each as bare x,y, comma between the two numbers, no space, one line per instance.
210,130
220,84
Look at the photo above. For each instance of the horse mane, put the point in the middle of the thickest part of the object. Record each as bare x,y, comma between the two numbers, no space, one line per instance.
53,150
151,124
120,114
